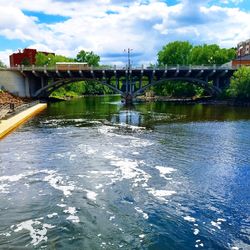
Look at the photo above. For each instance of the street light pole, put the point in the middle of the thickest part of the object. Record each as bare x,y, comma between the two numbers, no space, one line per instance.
240,48
129,85
129,52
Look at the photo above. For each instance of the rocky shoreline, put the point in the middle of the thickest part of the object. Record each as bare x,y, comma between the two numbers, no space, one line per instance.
7,98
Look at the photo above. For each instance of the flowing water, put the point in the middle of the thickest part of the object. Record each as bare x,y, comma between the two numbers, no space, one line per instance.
93,174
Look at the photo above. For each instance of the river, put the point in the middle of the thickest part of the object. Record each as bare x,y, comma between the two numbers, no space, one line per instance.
93,174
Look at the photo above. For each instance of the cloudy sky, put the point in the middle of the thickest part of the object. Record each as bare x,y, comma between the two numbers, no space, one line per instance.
107,27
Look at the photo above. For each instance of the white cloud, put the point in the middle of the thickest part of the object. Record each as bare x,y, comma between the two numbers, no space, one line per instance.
144,26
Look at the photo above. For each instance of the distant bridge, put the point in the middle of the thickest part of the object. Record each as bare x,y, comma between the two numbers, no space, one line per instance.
129,82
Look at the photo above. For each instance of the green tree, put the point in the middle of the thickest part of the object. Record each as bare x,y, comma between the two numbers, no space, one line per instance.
210,54
50,59
2,65
89,57
240,84
26,61
175,53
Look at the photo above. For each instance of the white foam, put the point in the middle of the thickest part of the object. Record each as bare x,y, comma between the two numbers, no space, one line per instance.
37,235
54,181
12,178
165,170
128,169
221,220
215,224
196,231
52,215
112,217
61,205
4,188
145,215
72,217
70,210
91,195
189,218
7,234
161,193
99,186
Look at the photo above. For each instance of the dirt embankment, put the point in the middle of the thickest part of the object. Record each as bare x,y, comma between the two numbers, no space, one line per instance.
7,98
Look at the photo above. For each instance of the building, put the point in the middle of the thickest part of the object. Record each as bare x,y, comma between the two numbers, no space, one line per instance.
243,54
241,61
243,48
27,57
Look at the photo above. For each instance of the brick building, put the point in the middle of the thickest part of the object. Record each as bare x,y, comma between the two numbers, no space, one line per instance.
27,57
243,48
243,54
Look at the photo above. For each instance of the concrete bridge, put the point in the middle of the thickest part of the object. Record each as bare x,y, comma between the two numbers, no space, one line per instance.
40,82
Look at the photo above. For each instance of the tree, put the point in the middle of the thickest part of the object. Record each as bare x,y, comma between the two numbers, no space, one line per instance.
50,59
175,53
89,57
240,84
26,61
2,65
210,54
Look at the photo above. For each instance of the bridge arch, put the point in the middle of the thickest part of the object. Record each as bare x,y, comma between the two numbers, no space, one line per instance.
48,89
211,89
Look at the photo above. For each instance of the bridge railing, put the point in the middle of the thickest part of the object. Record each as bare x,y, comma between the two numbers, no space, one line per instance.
166,67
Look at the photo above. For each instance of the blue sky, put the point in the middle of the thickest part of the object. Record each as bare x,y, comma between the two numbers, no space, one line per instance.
107,27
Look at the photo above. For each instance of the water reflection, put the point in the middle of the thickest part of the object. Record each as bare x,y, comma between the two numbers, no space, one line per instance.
93,174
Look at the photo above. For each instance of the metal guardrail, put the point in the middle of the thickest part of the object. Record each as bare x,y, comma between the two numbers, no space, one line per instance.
5,109
15,110
82,68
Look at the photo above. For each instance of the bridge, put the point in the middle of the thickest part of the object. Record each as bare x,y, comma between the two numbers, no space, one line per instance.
130,82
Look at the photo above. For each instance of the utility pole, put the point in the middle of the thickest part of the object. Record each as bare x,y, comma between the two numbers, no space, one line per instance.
128,83
129,52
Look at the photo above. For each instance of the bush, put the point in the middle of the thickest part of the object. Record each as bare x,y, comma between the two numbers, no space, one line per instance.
240,84
178,89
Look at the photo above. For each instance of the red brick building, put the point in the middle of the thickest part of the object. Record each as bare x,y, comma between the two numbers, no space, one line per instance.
241,61
27,57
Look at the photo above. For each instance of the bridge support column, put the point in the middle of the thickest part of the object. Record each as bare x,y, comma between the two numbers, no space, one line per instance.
216,82
128,98
140,82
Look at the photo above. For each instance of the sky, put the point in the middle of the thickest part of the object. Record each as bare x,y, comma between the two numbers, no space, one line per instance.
107,27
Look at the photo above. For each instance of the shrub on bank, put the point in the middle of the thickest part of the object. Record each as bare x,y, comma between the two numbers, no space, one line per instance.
240,84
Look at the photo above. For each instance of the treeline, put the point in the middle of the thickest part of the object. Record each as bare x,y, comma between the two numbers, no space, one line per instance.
184,53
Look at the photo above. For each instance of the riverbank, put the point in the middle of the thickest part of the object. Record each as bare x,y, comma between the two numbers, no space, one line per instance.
207,100
8,125
8,98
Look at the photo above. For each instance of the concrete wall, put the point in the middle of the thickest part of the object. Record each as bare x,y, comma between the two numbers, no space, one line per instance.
14,82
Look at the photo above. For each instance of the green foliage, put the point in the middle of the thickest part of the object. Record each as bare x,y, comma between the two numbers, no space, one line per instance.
240,84
50,59
184,53
89,57
2,65
26,62
210,54
81,88
177,89
175,53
